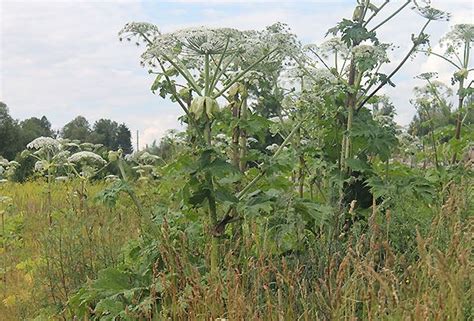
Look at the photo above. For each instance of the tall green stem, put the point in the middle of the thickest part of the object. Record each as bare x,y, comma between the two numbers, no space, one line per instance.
457,134
243,135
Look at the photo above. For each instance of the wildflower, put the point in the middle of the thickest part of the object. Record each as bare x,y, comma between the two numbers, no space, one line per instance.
146,157
87,146
272,148
331,46
62,178
322,75
377,53
13,164
86,156
40,165
431,13
427,75
221,136
459,34
111,178
44,143
252,140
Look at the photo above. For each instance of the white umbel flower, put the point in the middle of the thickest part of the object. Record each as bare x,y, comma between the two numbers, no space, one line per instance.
367,51
87,157
272,148
148,158
40,165
44,142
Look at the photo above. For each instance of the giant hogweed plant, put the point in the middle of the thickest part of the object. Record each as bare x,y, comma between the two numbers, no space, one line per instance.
457,54
357,56
211,61
57,161
200,72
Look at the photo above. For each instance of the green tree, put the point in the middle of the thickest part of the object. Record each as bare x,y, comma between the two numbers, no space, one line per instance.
78,128
34,127
105,133
9,133
124,139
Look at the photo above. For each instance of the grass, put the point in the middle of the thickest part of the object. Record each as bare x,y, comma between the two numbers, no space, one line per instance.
366,276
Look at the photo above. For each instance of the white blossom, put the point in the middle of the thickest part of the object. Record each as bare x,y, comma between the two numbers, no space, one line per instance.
86,156
323,75
331,46
111,178
272,148
44,142
146,157
221,136
377,53
457,37
252,140
40,165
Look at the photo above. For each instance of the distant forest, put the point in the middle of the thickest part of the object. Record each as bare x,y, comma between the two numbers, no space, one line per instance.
15,134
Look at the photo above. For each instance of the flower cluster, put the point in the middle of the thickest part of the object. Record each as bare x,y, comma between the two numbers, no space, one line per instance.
44,143
86,157
148,158
143,30
368,56
272,148
40,166
431,13
332,46
377,53
457,37
194,41
322,75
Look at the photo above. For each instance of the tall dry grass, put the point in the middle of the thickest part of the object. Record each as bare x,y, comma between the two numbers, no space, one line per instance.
365,277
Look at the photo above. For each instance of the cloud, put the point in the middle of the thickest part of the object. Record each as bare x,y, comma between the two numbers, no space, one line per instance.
61,58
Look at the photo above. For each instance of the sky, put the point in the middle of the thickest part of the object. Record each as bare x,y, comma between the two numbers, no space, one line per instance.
62,58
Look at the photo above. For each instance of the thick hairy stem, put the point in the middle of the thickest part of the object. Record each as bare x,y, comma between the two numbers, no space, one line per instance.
301,167
212,204
457,135
235,135
243,137
301,176
213,222
461,96
236,110
351,100
50,216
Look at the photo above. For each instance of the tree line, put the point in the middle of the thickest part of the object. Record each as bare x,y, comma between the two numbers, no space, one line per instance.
16,134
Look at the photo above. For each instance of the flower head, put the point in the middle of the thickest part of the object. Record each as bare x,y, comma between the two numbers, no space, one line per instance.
86,157
430,13
272,148
44,143
457,37
148,158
